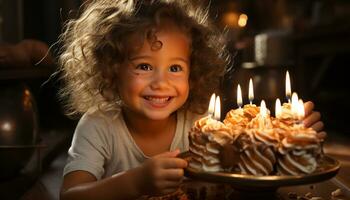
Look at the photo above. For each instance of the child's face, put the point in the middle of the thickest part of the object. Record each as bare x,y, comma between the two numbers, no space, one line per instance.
154,83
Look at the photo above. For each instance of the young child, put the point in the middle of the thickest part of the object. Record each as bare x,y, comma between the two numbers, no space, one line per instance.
140,73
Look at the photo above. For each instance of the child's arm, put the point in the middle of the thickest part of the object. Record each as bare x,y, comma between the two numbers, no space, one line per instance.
159,175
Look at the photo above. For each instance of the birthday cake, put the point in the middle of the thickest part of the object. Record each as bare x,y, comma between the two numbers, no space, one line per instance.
250,141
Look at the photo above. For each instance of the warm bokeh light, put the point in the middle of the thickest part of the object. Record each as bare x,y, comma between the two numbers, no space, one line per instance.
239,96
6,126
27,103
251,91
230,19
242,20
217,111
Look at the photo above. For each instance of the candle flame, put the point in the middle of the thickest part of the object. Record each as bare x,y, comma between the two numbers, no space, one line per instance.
295,105
263,110
217,108
251,91
288,87
211,107
278,108
239,96
262,115
301,110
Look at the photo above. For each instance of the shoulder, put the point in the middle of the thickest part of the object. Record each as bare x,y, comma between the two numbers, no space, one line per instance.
98,117
97,122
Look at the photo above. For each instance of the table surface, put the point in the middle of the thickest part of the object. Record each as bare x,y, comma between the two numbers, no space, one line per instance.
337,147
197,190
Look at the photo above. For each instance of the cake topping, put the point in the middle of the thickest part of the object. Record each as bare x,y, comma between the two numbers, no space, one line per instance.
250,141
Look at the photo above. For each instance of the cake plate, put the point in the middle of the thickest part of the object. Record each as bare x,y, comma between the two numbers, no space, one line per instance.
328,168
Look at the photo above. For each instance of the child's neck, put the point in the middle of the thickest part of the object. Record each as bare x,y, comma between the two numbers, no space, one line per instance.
151,136
144,127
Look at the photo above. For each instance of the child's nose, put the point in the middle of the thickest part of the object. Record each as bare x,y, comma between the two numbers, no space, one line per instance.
159,80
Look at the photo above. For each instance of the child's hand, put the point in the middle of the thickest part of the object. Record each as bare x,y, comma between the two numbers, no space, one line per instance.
163,173
313,118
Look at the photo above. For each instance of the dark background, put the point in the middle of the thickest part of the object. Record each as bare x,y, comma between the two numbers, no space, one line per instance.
310,38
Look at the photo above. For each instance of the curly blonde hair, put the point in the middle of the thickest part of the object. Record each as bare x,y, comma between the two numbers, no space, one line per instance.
95,45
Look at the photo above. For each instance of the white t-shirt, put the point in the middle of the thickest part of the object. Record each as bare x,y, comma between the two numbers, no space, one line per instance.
103,146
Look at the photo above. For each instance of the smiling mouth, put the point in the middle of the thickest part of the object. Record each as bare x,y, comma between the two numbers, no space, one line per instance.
158,100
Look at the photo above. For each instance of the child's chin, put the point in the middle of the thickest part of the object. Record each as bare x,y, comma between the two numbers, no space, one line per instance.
159,115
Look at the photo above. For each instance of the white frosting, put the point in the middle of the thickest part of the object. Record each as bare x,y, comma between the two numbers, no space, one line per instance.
257,164
212,148
307,168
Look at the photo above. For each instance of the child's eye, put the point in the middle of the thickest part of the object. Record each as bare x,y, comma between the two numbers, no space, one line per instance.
175,68
144,66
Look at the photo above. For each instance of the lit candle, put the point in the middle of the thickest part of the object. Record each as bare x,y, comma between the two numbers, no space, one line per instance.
288,87
251,92
217,109
263,109
301,110
239,96
211,107
263,114
278,108
295,105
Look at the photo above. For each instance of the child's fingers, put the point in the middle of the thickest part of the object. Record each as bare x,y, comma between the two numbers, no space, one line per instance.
318,126
168,154
174,174
308,106
174,163
322,135
312,119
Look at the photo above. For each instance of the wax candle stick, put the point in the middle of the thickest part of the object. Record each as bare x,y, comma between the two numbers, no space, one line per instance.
251,92
288,87
239,96
217,110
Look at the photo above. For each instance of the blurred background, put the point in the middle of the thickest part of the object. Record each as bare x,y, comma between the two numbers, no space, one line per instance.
309,38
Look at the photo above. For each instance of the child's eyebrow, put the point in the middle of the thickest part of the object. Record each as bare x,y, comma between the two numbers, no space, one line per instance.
145,57
181,59
139,57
